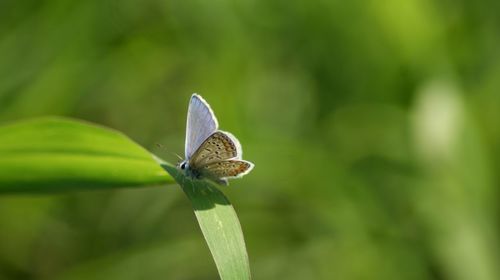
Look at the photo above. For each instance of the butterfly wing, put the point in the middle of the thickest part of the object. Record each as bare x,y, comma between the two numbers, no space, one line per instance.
201,123
217,147
211,153
232,168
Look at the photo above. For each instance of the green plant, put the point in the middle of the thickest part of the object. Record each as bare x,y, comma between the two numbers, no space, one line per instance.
57,154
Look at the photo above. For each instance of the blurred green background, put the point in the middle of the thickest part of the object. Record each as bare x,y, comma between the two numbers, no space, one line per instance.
373,126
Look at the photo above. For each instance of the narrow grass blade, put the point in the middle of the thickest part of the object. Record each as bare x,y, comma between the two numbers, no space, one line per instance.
59,154
219,224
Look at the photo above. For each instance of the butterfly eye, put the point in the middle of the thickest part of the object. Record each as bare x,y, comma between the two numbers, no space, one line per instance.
183,165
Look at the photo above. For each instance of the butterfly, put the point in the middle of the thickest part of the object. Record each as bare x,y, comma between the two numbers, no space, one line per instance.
210,153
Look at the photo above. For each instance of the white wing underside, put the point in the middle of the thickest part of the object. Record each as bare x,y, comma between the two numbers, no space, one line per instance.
201,123
239,151
219,146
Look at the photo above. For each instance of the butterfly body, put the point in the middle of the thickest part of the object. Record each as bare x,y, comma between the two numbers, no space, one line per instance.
210,153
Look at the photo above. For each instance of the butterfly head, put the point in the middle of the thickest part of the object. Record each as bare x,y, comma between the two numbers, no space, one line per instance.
187,170
183,165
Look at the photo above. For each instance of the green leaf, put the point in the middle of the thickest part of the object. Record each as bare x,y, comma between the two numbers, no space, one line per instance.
59,154
219,224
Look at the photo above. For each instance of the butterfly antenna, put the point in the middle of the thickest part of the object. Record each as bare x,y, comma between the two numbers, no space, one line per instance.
163,147
178,156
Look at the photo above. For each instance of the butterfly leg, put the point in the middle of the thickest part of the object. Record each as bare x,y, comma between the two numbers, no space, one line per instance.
223,182
192,186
